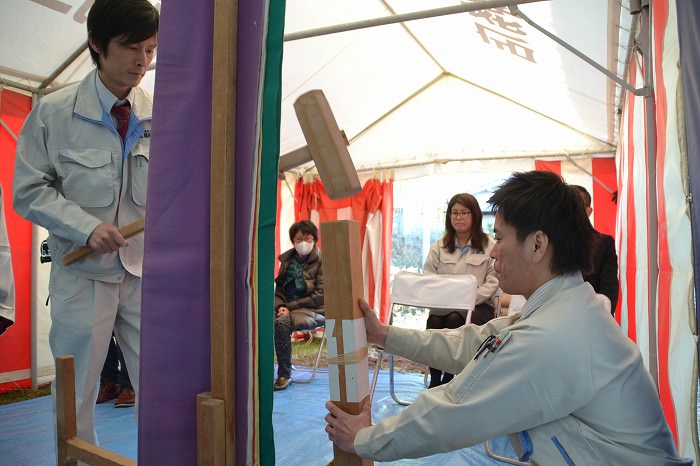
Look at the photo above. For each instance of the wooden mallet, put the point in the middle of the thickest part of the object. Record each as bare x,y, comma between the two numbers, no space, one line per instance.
327,147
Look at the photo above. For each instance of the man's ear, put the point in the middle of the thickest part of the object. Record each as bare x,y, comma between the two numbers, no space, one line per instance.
92,44
539,245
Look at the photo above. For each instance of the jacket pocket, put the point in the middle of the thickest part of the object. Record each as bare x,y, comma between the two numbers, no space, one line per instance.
477,259
565,443
447,263
138,160
138,173
87,176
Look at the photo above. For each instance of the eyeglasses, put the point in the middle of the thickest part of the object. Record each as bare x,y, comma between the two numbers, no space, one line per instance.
300,238
461,213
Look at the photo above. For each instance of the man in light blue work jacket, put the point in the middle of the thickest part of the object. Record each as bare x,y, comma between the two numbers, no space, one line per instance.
561,379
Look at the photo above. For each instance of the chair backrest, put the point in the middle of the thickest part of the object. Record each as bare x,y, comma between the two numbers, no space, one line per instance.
434,291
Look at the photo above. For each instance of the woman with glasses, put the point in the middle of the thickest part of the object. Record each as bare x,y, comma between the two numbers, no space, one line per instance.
464,249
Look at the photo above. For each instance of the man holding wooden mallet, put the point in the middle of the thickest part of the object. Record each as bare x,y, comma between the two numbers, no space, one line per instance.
81,173
560,378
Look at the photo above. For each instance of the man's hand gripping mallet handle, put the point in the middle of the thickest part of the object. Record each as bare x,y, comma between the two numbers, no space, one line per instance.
84,251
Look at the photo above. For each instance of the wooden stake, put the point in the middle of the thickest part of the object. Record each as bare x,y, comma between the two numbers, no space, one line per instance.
347,337
65,408
211,431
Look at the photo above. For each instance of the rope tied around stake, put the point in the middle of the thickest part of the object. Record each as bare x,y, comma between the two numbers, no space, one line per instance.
349,358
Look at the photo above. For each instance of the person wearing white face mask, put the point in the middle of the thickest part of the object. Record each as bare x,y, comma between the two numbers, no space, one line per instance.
298,295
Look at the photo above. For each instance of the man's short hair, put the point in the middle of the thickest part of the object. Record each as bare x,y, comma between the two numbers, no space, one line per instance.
583,192
540,200
132,21
306,227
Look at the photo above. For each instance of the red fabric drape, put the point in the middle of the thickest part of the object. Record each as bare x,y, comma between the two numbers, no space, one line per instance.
548,166
661,12
605,211
15,343
376,198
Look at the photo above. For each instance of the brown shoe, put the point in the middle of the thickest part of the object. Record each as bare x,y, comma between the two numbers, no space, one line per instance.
126,398
282,383
108,391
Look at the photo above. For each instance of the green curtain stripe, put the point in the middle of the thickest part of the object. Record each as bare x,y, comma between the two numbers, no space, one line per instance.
272,96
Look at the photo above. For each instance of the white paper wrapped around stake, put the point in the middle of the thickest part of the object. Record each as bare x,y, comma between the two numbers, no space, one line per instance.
354,363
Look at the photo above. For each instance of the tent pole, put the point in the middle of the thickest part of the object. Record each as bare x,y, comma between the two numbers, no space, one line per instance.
34,306
61,68
451,10
645,91
443,161
645,45
7,128
17,85
595,178
33,316
612,64
626,70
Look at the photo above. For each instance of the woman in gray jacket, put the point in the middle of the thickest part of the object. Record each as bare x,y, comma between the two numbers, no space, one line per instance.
464,249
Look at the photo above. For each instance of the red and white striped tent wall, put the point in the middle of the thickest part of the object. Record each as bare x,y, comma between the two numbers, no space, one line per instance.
657,308
25,357
306,199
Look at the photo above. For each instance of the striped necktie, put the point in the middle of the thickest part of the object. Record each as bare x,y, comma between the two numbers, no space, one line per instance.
121,113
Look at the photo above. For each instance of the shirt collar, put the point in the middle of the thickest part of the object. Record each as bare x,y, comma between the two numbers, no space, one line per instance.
107,99
464,248
545,292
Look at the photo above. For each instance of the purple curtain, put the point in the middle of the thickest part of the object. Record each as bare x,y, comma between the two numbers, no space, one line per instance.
175,302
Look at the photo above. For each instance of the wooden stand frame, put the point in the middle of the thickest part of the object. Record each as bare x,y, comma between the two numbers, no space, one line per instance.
216,410
71,449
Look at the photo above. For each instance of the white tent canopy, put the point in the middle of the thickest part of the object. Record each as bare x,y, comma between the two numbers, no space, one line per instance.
465,86
43,44
474,85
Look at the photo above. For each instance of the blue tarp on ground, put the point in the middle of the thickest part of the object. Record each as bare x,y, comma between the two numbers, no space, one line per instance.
26,432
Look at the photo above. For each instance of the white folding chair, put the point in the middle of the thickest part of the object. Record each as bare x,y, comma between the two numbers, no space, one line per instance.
309,333
419,290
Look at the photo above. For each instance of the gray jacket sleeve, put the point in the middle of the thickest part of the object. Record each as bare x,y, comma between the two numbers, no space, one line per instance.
484,400
36,187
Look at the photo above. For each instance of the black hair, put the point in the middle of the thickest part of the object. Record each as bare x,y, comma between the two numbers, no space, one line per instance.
306,227
479,240
131,21
540,200
583,192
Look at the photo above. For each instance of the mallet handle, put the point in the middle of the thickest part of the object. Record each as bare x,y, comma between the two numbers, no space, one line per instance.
84,251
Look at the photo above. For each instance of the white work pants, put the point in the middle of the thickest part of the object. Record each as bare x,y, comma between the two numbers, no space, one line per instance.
83,314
